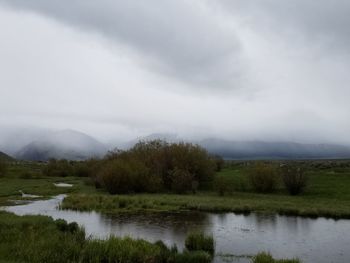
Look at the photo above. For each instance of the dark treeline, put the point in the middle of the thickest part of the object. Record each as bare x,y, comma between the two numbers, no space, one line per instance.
152,166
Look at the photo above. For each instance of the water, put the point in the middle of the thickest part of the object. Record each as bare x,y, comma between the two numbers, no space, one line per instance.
312,240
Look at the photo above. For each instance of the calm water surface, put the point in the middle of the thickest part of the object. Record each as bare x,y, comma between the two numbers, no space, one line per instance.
312,240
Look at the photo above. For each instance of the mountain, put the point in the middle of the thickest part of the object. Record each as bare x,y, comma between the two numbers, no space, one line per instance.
274,150
66,144
5,157
14,138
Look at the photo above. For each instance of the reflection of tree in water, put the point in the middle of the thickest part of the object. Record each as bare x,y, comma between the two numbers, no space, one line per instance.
263,221
169,227
292,224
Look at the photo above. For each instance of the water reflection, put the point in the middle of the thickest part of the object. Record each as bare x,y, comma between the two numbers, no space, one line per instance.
312,240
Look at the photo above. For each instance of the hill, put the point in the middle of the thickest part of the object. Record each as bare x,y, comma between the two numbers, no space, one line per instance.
66,144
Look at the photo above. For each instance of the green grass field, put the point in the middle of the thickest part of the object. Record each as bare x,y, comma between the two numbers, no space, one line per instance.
28,178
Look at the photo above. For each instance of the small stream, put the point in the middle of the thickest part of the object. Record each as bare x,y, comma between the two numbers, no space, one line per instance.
312,240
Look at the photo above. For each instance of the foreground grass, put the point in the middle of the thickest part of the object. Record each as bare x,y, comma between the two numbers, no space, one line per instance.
41,239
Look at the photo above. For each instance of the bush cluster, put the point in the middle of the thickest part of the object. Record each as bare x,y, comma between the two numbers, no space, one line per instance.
294,179
263,177
155,166
64,168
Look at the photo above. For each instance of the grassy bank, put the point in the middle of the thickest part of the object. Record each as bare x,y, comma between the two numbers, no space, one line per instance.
29,178
328,195
239,203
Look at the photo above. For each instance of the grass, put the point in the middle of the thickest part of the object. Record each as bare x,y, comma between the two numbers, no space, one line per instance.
267,258
28,178
199,241
327,194
41,239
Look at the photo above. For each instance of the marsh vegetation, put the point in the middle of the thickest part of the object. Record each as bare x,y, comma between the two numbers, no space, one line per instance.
161,177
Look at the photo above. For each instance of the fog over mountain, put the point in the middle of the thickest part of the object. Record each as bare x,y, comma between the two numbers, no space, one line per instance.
67,144
244,70
74,145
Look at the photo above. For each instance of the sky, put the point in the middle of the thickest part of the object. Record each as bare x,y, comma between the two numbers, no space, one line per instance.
241,70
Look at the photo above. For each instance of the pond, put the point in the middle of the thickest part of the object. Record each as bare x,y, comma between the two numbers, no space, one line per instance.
312,240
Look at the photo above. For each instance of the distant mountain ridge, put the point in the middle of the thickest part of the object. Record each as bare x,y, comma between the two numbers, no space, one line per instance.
74,145
66,144
274,150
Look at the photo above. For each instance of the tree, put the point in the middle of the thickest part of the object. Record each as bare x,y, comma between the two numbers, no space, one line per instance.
294,179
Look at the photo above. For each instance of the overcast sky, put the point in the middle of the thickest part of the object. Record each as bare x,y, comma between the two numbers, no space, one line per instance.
245,69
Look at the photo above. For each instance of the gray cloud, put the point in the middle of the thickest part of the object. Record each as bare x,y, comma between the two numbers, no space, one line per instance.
182,38
320,21
248,69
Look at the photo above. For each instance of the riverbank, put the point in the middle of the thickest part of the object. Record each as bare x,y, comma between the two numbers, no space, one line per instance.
209,202
327,195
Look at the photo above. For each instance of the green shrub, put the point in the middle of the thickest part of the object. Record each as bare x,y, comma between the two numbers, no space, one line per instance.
117,177
194,159
263,177
294,179
197,241
125,176
58,168
158,166
81,169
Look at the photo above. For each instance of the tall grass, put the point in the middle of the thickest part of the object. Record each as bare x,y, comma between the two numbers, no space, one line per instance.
267,258
197,241
38,239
